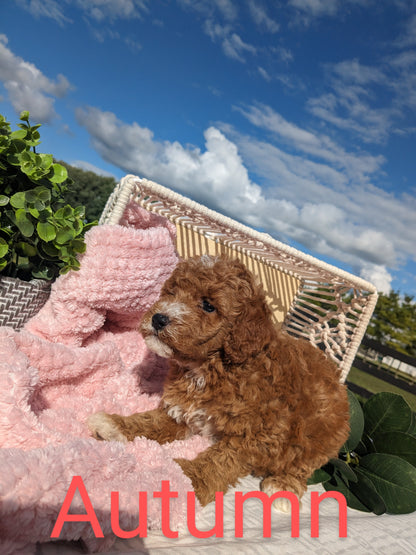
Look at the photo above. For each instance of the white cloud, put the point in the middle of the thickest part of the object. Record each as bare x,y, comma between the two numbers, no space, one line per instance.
354,72
310,201
97,10
408,36
226,8
316,7
327,214
261,18
264,74
45,8
101,10
232,44
310,9
361,99
379,276
402,79
312,143
216,176
284,54
28,88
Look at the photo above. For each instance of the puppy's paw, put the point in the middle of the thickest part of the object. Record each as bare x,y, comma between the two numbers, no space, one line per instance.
281,504
102,426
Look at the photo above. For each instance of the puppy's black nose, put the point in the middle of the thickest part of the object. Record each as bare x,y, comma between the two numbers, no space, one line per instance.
160,321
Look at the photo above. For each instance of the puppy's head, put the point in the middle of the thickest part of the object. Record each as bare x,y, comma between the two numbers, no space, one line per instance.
208,307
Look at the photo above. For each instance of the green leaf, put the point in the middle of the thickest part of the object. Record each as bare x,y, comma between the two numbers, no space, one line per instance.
45,214
365,492
78,226
394,480
320,475
46,231
60,174
4,247
26,249
19,134
64,213
64,235
4,200
344,469
31,196
39,206
79,245
45,161
43,194
16,147
79,212
337,484
34,212
11,215
25,226
44,273
412,427
356,424
368,444
48,250
397,443
361,449
361,495
18,200
386,412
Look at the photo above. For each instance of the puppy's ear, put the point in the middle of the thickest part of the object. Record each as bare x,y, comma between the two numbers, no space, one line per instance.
252,328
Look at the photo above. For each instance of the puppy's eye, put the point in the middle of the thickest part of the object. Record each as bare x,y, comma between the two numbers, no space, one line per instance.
207,306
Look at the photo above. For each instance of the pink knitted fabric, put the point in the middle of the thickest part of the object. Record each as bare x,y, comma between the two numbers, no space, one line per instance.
80,354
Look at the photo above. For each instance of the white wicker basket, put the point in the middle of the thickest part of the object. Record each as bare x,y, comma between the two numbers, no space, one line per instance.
309,298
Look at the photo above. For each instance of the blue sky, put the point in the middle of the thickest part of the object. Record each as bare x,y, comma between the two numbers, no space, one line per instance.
296,117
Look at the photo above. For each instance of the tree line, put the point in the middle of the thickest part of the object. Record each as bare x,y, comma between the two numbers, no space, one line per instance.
394,322
88,189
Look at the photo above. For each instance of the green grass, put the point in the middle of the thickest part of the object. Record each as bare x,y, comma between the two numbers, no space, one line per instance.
394,371
375,385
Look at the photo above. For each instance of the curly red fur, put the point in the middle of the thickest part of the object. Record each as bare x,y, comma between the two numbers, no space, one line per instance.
272,404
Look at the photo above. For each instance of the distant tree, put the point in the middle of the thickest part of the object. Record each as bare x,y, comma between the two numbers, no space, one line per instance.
394,322
88,189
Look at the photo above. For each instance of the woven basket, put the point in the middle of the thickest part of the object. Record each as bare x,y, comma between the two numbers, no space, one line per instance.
20,300
309,298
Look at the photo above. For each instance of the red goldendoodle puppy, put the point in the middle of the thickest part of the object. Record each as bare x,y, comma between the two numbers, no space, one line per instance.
273,405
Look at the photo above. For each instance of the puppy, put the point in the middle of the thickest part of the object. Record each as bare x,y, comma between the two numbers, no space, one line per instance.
272,405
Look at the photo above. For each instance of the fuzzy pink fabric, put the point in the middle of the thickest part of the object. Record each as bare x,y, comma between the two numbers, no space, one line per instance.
83,353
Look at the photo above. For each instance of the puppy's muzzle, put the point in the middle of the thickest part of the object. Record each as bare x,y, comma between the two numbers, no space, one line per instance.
160,321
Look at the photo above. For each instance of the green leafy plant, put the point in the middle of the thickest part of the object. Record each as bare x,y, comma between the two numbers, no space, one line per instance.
40,234
376,467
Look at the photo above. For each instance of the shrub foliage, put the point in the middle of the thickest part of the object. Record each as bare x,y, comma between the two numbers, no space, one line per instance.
40,234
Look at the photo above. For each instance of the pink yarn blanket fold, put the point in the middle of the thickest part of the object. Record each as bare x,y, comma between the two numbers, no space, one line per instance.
80,354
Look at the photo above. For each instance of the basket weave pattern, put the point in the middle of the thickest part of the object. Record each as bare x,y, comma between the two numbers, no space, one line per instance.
311,299
20,300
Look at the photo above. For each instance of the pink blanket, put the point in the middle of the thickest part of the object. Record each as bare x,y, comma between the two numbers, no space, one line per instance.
82,353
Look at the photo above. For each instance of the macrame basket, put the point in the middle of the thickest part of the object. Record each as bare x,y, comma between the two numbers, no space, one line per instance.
309,298
20,300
